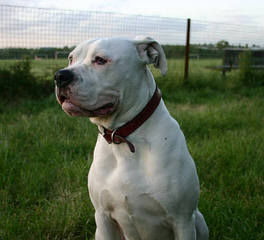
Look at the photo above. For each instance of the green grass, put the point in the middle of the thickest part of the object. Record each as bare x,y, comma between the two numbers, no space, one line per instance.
45,157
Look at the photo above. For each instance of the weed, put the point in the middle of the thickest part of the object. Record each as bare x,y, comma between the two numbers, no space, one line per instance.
17,81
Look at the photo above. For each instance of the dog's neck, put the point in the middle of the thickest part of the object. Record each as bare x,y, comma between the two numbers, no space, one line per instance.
136,103
120,134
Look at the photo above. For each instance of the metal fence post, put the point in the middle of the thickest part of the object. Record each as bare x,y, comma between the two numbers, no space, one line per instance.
187,51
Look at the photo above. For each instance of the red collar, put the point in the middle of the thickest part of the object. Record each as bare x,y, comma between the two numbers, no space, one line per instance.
119,135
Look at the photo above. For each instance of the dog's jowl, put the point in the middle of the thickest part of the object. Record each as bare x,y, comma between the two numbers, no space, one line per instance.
143,181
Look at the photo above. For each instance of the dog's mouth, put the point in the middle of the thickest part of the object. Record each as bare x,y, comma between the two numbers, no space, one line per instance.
74,109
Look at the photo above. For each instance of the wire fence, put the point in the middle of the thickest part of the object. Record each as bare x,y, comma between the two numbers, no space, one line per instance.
34,27
51,33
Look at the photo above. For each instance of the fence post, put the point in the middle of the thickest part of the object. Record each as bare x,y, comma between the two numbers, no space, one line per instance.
187,51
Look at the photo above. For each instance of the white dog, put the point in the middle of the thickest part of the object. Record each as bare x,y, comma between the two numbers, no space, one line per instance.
142,182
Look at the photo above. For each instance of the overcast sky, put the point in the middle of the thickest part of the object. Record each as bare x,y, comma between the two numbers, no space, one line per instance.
233,11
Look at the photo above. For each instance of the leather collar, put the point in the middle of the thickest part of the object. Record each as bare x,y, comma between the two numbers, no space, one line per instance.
119,135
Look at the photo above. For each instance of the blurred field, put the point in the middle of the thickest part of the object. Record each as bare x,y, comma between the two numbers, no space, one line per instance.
45,156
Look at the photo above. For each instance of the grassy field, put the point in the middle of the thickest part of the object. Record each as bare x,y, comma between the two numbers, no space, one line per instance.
45,156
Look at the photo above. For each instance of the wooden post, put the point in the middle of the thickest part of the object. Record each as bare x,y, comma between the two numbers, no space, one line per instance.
187,51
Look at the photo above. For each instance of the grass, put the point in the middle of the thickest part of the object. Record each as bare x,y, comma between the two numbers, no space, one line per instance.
45,157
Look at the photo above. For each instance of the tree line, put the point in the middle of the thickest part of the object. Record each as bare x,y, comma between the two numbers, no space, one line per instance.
171,51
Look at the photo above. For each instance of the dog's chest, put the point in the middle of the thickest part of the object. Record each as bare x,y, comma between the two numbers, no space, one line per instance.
119,182
126,189
111,187
133,207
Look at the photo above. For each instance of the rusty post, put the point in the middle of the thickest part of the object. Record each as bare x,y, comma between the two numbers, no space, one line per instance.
187,51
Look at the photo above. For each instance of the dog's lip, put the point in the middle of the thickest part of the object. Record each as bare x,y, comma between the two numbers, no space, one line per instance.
76,110
104,109
72,107
61,98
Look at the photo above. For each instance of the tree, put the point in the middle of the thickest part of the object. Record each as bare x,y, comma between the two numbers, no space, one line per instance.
222,44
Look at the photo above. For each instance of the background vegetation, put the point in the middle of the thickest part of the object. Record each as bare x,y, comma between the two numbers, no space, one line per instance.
171,51
45,155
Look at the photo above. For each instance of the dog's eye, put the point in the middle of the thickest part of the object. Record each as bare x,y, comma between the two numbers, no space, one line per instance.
99,60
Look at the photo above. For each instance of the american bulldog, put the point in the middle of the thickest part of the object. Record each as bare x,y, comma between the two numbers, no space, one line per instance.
143,181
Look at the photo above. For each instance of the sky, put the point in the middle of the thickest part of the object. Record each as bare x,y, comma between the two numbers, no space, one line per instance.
249,12
32,25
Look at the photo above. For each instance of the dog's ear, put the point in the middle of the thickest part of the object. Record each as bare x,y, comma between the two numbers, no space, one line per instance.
150,51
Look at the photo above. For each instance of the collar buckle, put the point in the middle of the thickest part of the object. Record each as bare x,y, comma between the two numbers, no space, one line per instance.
116,139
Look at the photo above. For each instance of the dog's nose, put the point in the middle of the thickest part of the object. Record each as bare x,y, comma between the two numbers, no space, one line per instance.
63,77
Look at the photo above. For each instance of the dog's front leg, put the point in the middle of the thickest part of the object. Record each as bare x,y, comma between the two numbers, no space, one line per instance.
107,228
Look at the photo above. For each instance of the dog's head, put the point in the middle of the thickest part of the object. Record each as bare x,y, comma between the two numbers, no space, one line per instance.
104,73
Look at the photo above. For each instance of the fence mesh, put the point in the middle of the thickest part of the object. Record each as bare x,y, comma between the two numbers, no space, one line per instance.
35,27
212,32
